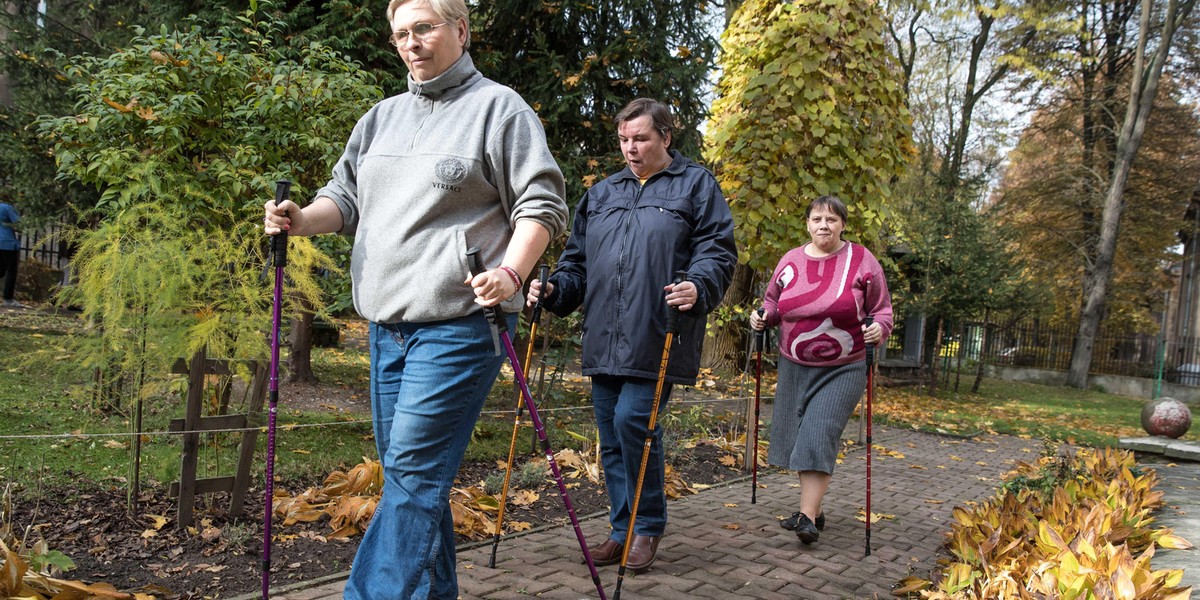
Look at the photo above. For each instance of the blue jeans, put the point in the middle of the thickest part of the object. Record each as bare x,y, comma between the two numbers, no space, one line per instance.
622,406
428,385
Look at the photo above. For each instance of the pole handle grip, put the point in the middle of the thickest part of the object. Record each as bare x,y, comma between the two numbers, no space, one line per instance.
493,313
760,336
283,191
543,274
673,312
867,322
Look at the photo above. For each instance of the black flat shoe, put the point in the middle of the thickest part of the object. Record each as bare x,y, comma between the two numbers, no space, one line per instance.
806,530
790,522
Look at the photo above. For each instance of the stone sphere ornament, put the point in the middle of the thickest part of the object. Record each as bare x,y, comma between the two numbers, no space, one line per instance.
1167,417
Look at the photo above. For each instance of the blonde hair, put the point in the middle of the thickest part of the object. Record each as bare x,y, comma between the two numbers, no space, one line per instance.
449,10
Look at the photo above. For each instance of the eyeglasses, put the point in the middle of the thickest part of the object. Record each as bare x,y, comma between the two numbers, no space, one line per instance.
419,31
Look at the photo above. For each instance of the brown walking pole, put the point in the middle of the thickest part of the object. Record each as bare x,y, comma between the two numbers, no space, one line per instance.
543,273
672,329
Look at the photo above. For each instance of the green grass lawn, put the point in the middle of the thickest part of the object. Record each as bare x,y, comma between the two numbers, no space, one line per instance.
51,396
1088,417
45,392
58,436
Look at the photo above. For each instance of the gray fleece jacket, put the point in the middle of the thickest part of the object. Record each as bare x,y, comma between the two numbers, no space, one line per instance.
454,162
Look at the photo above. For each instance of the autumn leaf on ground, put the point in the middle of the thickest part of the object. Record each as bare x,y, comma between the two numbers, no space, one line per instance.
114,444
469,507
156,521
523,498
350,515
580,465
210,534
731,505
728,460
675,486
733,526
875,517
514,526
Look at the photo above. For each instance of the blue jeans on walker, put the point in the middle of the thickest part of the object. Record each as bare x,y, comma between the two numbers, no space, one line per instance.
428,385
622,406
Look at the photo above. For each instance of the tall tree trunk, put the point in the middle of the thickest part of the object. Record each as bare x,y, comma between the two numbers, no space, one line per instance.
731,7
1144,86
933,362
724,343
300,342
6,98
962,349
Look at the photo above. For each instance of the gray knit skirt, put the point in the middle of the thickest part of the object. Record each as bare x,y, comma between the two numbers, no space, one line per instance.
812,406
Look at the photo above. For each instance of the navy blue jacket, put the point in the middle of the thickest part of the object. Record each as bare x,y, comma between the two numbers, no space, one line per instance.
627,241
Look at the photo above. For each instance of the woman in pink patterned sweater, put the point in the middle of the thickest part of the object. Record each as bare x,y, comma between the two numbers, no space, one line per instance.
819,296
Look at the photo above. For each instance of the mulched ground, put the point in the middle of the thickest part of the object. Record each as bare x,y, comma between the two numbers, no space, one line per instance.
220,557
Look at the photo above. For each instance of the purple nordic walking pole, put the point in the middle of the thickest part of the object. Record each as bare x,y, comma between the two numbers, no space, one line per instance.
279,251
543,273
501,338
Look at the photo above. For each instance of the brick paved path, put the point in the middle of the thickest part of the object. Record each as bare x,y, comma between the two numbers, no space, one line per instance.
718,545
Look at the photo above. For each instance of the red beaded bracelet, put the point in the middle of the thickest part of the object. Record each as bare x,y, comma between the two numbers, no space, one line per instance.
516,278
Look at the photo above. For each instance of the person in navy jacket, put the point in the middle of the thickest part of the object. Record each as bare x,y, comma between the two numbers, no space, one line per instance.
662,213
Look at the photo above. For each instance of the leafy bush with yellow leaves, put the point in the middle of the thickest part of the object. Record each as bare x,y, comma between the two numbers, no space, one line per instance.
1089,535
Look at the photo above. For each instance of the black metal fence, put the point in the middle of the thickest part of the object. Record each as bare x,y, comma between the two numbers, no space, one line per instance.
1041,346
47,245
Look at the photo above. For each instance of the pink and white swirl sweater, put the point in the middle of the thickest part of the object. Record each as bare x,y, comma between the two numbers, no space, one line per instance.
819,305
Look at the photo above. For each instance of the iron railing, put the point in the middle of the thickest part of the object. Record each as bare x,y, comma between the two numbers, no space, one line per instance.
1041,346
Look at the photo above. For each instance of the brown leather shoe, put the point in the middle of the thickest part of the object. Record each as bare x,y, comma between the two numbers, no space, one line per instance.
641,553
607,553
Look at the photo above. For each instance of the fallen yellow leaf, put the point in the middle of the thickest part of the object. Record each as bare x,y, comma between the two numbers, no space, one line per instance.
157,521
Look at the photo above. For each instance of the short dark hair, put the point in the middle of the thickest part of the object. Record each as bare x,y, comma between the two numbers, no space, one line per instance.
660,116
832,203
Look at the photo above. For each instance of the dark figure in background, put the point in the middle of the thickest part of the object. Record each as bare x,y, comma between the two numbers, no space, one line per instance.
661,214
10,253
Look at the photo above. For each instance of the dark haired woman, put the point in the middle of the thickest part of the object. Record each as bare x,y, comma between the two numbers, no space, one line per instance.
819,295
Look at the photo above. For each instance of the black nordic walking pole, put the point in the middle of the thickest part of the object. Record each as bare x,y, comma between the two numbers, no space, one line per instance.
870,396
543,272
283,189
672,329
500,336
759,342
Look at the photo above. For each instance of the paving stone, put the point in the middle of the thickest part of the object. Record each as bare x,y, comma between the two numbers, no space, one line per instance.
712,550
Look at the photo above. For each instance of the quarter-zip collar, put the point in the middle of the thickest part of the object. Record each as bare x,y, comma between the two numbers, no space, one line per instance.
460,74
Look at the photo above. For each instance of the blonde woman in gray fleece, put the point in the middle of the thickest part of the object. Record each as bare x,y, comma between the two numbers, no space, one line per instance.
456,161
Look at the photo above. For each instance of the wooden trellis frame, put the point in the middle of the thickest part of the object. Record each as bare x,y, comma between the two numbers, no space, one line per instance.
193,424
